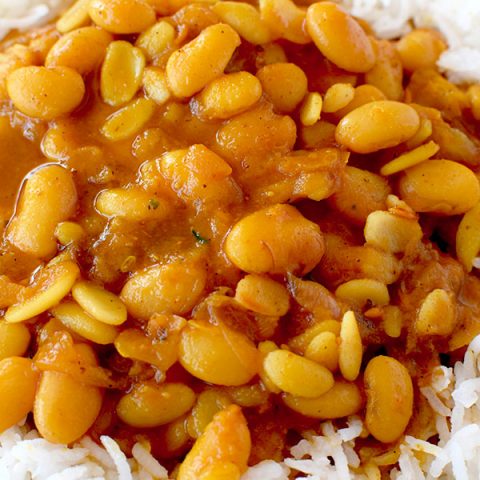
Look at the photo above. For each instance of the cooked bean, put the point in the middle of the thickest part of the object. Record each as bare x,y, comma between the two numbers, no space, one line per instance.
134,205
76,16
14,339
311,109
228,95
68,233
389,398
361,291
338,96
156,85
392,233
410,159
262,295
100,303
362,192
64,408
54,283
122,73
18,383
424,188
122,16
285,20
32,229
339,37
147,406
468,237
172,288
350,350
377,125
297,375
156,40
202,60
341,400
287,242
245,19
221,471
226,440
323,349
129,120
45,93
83,50
363,94
78,321
437,314
301,342
209,403
218,354
285,84
420,49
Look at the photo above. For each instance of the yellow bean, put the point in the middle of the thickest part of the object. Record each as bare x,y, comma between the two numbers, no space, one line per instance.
387,73
285,84
75,319
311,109
173,288
301,342
122,16
424,188
245,19
100,303
64,408
341,400
473,94
156,85
32,229
392,321
56,281
363,94
411,158
390,232
362,192
297,375
14,339
218,354
437,314
45,93
82,49
285,19
18,383
228,95
360,291
156,40
468,237
203,59
350,350
221,471
389,398
339,37
287,242
129,120
323,349
209,403
134,205
262,295
68,233
377,125
75,17
424,133
226,440
122,73
420,49
147,406
338,96
249,395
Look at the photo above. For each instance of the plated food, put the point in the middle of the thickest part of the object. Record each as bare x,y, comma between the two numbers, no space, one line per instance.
239,242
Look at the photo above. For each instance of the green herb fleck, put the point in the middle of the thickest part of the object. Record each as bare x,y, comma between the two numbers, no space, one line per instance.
153,204
199,238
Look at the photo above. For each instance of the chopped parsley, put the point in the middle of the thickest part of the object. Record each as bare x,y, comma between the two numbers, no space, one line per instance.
199,238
